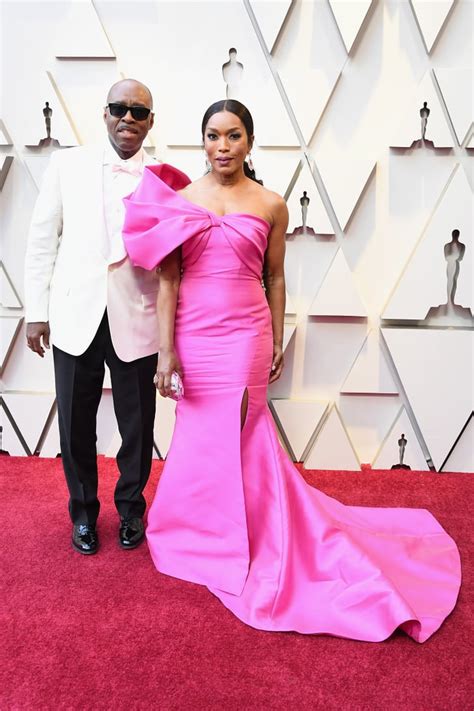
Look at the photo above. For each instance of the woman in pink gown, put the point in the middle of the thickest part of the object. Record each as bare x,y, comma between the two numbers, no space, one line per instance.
231,511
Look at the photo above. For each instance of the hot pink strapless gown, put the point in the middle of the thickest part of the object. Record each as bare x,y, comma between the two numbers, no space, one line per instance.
231,511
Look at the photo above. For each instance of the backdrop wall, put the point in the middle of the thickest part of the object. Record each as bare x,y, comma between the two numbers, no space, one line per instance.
379,324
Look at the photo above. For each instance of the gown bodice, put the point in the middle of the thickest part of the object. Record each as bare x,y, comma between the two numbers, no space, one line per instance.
159,219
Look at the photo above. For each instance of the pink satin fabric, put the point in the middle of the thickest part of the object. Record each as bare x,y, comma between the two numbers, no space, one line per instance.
231,511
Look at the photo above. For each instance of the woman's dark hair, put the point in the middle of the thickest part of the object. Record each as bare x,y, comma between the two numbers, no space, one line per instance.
235,107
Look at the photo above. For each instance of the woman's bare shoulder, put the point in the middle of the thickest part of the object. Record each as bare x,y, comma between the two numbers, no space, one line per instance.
274,203
271,198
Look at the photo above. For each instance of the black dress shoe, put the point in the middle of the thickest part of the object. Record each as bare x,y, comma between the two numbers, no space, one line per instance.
84,538
131,532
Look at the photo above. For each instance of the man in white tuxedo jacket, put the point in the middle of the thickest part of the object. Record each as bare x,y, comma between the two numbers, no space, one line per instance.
81,289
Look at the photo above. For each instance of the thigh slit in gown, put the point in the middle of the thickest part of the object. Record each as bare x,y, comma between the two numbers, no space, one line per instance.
231,510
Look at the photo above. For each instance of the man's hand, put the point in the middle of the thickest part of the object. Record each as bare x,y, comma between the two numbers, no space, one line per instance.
34,333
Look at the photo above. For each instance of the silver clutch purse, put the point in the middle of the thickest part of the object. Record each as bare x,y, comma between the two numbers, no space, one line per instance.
177,387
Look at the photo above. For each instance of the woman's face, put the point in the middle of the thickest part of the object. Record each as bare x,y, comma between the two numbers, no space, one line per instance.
226,142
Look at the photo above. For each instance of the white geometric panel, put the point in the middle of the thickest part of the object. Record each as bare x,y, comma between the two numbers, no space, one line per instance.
367,419
307,260
5,138
298,420
164,423
416,184
431,15
9,298
270,16
83,87
332,449
36,165
389,452
409,126
461,458
289,330
181,121
275,167
107,384
191,161
31,126
51,446
114,445
10,441
24,370
6,165
309,59
457,89
30,412
349,15
435,367
290,309
329,349
80,33
470,143
347,187
337,295
9,329
428,265
317,217
370,372
106,423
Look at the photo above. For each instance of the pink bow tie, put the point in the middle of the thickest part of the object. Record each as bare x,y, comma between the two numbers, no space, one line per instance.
125,169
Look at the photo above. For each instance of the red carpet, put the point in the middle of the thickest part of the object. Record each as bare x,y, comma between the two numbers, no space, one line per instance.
109,632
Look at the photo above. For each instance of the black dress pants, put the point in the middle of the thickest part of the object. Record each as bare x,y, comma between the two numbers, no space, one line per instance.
79,381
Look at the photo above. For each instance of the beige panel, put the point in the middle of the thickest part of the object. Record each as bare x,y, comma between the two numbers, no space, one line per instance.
30,412
10,441
299,420
309,58
461,458
51,446
9,329
435,367
8,296
332,448
367,419
317,220
80,33
431,16
428,265
409,124
370,372
350,15
389,451
270,15
457,88
337,295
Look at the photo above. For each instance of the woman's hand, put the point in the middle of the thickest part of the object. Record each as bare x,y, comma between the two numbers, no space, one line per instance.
277,363
167,363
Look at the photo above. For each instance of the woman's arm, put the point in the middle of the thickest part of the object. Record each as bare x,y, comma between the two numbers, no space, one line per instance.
274,280
170,277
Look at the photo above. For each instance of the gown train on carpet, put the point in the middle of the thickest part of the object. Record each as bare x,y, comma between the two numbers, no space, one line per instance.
231,511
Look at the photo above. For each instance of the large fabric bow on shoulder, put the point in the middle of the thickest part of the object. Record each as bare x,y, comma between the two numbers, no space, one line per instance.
155,222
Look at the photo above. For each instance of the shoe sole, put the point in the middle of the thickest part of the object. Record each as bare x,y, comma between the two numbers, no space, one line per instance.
130,547
79,550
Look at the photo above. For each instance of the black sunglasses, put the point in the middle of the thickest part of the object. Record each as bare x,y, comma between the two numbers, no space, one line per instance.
139,113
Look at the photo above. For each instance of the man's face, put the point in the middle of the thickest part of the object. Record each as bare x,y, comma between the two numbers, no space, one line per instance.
126,134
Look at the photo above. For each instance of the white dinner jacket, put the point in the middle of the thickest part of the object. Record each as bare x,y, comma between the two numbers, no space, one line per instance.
68,281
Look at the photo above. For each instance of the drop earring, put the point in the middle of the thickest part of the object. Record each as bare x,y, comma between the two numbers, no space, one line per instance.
250,162
207,164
